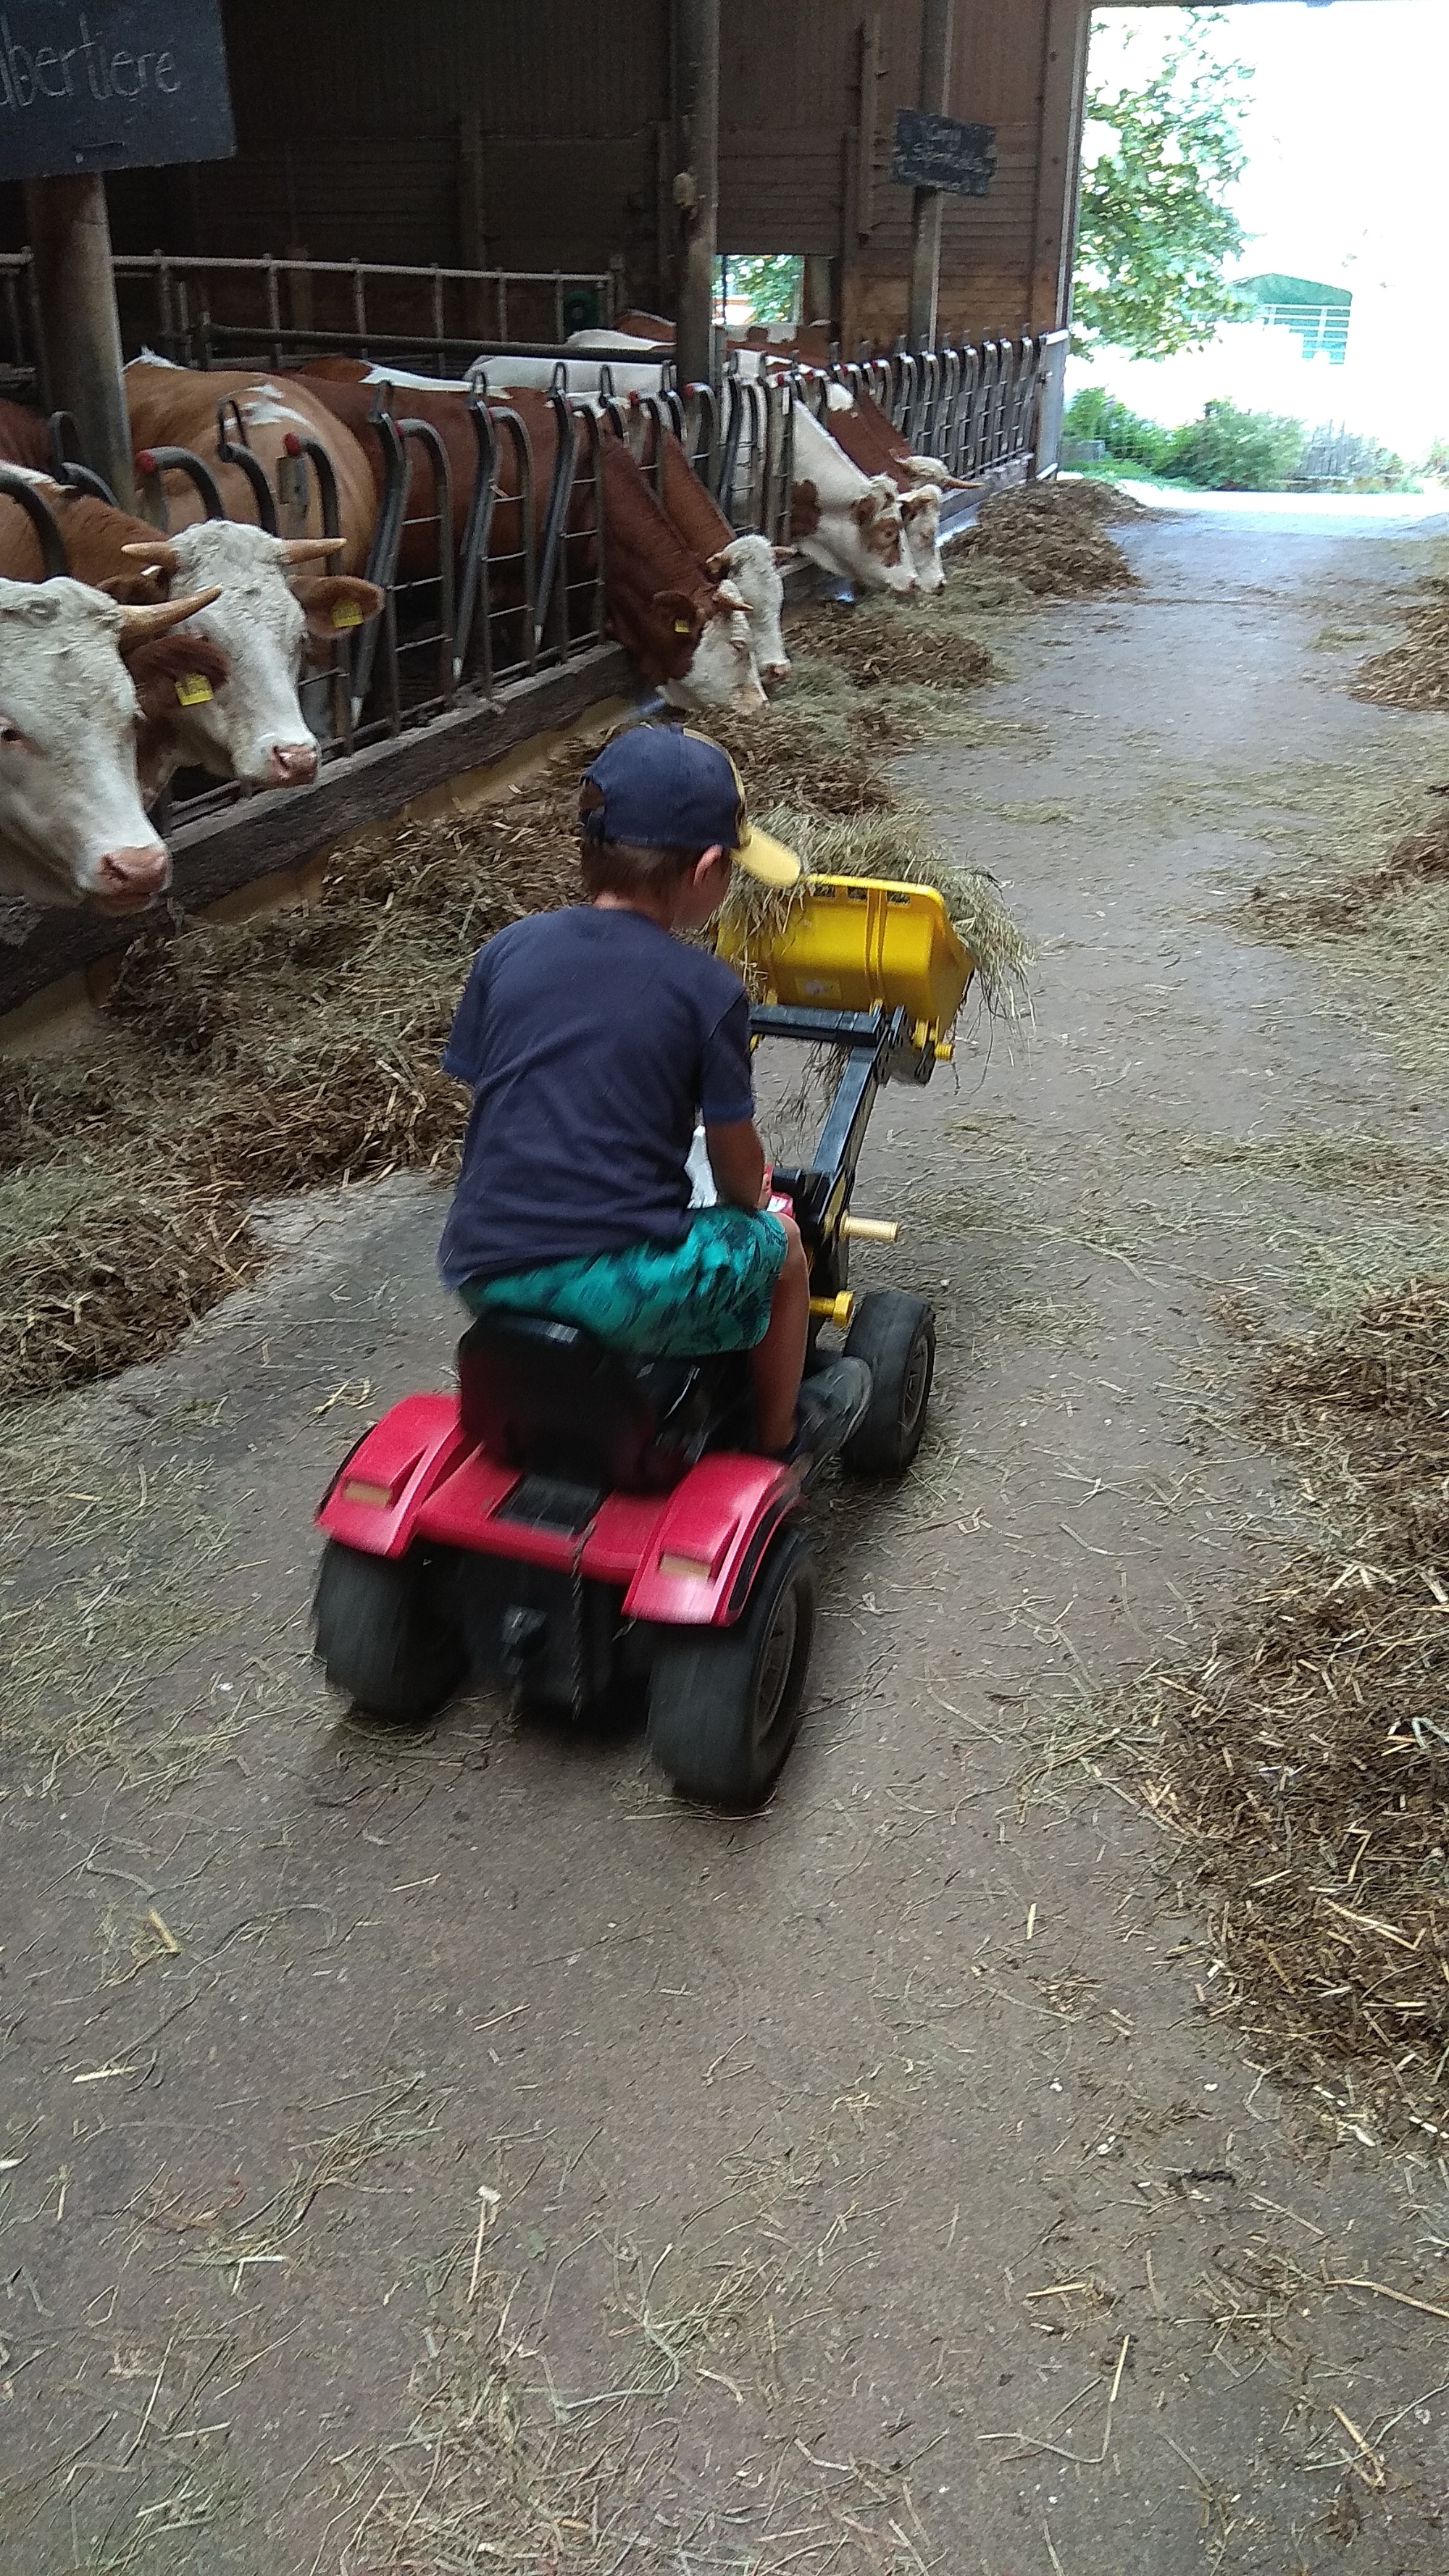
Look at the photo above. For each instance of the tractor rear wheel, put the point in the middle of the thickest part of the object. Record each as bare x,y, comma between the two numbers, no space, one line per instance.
725,1703
895,1334
381,1634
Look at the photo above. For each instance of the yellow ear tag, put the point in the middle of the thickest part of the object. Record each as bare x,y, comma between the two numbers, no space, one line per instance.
193,690
346,613
681,626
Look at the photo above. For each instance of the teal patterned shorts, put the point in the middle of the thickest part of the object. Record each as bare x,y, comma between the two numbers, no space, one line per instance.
679,1301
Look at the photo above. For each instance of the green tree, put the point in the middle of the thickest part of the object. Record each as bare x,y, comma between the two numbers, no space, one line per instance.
771,283
1155,229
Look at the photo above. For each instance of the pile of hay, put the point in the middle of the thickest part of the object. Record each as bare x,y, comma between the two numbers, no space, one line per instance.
1416,672
1051,539
886,646
1309,1762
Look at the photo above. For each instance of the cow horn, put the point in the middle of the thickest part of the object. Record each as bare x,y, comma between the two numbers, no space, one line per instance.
160,552
300,550
139,623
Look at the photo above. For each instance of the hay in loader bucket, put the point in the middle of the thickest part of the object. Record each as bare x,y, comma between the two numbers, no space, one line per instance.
1308,1763
1051,539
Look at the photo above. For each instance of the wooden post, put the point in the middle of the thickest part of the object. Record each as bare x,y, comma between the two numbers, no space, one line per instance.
1058,161
70,241
926,211
819,300
696,187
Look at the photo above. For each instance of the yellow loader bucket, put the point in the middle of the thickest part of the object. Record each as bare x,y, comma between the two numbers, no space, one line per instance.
855,941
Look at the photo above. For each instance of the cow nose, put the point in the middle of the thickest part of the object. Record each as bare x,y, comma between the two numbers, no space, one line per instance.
135,872
774,674
292,764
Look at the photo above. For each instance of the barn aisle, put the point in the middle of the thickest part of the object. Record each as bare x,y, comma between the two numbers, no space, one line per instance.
455,2151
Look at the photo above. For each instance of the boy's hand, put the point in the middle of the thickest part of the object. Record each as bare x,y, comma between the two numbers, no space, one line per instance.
737,1160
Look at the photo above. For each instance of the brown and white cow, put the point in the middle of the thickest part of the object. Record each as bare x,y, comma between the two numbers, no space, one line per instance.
687,627
236,712
749,563
177,407
77,671
846,521
857,424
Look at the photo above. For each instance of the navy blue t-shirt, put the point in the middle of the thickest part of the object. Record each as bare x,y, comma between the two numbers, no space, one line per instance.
592,1040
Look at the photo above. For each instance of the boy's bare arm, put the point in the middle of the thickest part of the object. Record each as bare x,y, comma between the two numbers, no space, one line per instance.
737,1160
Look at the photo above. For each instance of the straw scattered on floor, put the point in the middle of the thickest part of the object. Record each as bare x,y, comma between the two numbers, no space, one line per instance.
1416,672
1307,1763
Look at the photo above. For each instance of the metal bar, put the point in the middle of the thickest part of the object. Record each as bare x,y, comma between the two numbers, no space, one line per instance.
274,311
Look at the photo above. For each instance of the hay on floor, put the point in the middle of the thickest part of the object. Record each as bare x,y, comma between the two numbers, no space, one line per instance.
1418,859
1308,1763
1050,540
1416,672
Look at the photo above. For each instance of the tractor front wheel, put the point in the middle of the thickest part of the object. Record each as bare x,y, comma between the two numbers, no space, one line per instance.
895,1335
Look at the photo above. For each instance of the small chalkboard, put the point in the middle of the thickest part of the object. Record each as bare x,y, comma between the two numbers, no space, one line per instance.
942,152
112,85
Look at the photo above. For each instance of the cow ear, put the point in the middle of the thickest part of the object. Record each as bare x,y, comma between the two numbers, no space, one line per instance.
865,508
681,613
786,554
727,598
131,589
718,565
335,602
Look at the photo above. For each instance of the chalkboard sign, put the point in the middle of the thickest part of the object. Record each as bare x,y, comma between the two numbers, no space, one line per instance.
941,152
113,85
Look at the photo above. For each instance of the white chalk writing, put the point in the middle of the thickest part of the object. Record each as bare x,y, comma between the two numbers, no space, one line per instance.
89,67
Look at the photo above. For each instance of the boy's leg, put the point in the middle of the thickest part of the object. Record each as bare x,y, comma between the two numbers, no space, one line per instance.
778,1360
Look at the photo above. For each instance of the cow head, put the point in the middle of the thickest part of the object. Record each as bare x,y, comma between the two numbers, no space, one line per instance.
72,825
751,567
720,671
269,618
921,519
884,563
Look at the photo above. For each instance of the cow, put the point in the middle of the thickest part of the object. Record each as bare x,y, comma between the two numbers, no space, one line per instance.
688,634
241,718
178,407
846,521
749,562
857,423
684,628
77,671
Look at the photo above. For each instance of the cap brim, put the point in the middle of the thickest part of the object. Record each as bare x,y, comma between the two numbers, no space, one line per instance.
767,860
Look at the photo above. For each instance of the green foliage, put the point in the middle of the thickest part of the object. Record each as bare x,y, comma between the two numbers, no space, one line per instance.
1094,413
1237,451
772,284
1155,230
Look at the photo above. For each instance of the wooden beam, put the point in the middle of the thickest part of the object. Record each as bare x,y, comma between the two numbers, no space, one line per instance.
697,185
287,826
928,205
70,241
1065,37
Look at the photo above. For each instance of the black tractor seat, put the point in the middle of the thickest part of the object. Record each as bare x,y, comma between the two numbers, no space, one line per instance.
555,1401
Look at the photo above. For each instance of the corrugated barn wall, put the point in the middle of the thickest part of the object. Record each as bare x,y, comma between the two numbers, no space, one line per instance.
535,134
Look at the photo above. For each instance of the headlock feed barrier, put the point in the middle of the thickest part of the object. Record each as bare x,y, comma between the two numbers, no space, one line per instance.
520,589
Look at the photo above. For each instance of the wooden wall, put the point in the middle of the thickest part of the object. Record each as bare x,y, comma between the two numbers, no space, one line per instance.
540,133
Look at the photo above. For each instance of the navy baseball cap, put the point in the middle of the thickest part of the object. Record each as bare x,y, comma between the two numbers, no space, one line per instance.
662,787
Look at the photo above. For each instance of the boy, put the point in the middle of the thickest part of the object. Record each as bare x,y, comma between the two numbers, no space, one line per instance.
592,1038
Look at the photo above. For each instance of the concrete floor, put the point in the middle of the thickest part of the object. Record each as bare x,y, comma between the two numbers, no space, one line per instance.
874,2192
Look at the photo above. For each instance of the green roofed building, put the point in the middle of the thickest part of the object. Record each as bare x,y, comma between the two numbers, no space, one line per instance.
1319,314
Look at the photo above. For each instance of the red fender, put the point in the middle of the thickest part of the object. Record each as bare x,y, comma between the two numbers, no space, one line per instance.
378,1491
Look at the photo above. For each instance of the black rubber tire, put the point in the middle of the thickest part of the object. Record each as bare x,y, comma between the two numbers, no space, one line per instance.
380,1637
725,1703
895,1334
